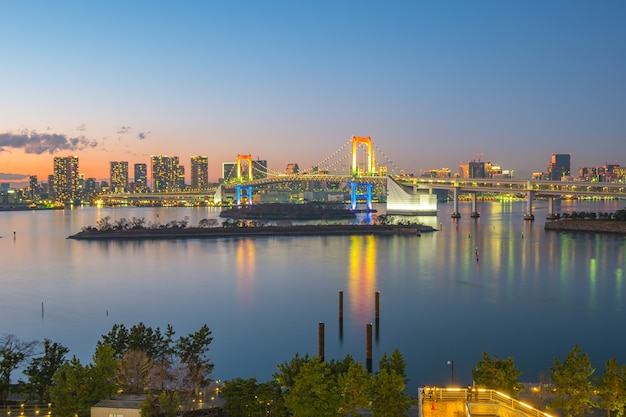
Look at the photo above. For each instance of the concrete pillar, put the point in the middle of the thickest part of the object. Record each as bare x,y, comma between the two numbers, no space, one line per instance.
529,204
455,201
475,213
551,214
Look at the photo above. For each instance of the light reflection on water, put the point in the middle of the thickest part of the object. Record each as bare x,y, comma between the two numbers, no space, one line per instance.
531,295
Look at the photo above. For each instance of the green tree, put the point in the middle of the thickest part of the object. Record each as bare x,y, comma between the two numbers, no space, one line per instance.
288,371
498,374
270,399
395,362
573,385
314,392
70,391
246,397
41,369
388,396
355,387
13,352
101,374
612,388
167,404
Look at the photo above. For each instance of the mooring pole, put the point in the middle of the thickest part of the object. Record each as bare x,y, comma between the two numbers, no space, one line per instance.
320,341
368,347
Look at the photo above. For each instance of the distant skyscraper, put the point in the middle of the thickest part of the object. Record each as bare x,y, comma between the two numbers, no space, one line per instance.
229,171
141,178
259,168
66,181
119,176
33,188
165,173
559,166
199,173
292,168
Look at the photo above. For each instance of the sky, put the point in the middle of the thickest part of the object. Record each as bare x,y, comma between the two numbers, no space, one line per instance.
433,83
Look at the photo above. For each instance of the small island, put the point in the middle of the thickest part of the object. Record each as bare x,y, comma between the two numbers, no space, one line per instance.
137,229
591,222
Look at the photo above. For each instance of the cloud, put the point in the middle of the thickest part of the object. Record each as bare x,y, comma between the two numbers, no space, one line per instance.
123,129
40,143
143,135
4,176
82,127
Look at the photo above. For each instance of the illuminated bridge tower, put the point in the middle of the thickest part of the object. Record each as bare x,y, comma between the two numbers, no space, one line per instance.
240,189
360,190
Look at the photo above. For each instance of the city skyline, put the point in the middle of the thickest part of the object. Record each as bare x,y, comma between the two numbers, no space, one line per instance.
434,84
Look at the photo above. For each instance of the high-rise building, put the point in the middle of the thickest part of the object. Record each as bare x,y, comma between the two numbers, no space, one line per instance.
119,176
199,173
292,168
165,173
559,166
259,168
141,178
66,181
229,171
34,190
472,169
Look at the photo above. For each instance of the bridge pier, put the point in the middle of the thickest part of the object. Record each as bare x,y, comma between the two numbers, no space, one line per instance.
475,214
239,189
529,205
354,194
551,214
455,202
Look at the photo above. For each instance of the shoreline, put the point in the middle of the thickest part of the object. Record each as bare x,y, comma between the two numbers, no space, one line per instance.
587,226
219,232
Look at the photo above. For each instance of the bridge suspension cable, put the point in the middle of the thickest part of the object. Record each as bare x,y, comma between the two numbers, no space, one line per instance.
325,163
395,169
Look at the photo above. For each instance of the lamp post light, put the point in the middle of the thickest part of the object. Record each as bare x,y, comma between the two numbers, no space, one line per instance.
451,363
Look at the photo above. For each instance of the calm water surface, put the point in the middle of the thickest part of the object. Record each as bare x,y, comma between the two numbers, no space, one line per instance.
532,294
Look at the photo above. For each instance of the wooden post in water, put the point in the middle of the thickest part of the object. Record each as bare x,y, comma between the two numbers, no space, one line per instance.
377,315
340,316
340,304
368,347
377,305
320,341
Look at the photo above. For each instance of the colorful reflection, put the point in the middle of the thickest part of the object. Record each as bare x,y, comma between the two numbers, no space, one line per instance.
244,271
362,279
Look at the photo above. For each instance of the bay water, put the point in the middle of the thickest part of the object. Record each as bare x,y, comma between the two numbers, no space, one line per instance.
497,284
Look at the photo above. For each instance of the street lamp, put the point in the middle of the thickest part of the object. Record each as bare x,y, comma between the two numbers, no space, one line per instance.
451,363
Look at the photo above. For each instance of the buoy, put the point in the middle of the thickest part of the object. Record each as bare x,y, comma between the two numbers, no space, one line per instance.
432,406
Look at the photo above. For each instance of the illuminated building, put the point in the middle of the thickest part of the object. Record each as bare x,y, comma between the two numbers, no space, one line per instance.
259,168
166,173
229,171
141,178
559,166
199,173
292,168
119,176
66,181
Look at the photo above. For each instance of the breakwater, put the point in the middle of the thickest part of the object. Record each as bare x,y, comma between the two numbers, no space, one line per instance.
591,226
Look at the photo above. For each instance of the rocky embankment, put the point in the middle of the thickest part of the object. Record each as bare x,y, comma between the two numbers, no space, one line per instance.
592,226
218,232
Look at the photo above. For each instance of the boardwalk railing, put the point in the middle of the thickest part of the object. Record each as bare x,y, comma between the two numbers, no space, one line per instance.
27,410
483,401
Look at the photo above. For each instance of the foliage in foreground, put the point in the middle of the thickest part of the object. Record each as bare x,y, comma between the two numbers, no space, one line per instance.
312,387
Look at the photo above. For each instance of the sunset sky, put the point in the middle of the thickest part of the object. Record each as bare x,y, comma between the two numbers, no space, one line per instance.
434,83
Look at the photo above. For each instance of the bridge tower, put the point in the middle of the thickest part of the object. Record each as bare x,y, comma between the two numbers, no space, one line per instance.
357,173
240,189
371,163
248,159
